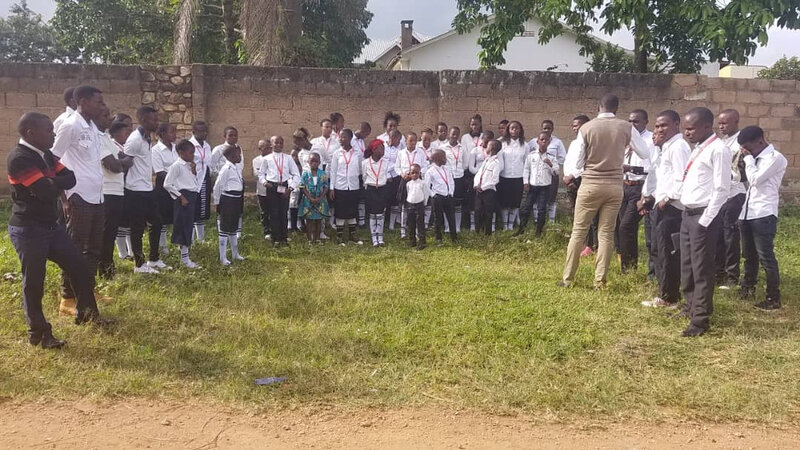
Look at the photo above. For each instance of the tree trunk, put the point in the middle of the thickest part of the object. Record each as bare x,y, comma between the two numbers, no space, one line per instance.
292,21
184,27
229,27
639,51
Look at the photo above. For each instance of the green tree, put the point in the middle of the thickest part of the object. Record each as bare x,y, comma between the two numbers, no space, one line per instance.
679,33
610,58
24,37
334,32
783,69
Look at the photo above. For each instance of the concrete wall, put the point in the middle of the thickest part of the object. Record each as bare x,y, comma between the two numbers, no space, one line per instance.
267,101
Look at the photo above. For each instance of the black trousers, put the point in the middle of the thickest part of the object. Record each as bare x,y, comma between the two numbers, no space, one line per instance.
729,246
537,196
85,228
649,242
143,211
264,214
668,258
698,248
485,207
628,227
278,206
443,207
35,245
114,205
415,212
758,237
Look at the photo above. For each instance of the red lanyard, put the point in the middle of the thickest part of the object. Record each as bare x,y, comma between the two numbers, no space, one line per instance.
346,159
483,172
691,161
478,139
279,167
410,158
327,144
372,168
360,145
456,156
202,152
444,178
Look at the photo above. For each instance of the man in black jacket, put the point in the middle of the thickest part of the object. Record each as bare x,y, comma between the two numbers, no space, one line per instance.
37,180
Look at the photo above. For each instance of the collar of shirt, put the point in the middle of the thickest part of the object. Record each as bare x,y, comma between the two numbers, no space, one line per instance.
83,122
606,115
671,140
145,134
706,142
768,151
69,110
31,146
730,140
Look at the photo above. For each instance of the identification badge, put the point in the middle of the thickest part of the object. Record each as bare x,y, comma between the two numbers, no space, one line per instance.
281,189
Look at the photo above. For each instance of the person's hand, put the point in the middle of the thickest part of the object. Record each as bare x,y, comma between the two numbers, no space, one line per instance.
568,180
268,185
121,155
66,209
184,201
640,205
662,204
332,195
744,152
525,187
478,190
193,166
548,162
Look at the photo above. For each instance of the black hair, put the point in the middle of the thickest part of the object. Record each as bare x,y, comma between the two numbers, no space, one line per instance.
69,95
347,132
29,121
641,112
325,120
610,102
750,134
671,114
85,91
582,118
163,127
489,134
411,133
121,117
366,125
229,128
455,128
199,123
499,145
440,124
703,114
335,116
116,127
390,116
427,130
184,144
507,135
143,111
548,121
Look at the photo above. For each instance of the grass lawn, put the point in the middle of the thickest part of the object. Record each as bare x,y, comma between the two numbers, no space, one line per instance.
480,326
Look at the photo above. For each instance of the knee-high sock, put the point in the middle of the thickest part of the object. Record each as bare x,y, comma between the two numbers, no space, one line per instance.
362,213
504,217
200,231
551,210
123,246
223,248
458,218
234,246
512,217
472,221
403,217
393,216
428,210
184,254
239,228
494,222
373,228
162,240
381,219
333,217
340,229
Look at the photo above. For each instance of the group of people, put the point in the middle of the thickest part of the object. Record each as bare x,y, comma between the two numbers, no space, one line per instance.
113,183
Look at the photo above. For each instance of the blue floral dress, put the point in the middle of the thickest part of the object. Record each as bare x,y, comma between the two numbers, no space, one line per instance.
315,188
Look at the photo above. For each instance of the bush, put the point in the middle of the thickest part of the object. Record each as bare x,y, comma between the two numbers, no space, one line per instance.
783,69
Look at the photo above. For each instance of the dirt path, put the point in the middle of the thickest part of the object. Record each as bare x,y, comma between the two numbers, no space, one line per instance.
142,424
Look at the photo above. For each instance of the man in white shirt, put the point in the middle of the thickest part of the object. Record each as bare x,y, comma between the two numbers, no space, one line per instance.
557,150
264,150
71,106
140,201
78,145
765,168
704,189
729,247
279,175
537,179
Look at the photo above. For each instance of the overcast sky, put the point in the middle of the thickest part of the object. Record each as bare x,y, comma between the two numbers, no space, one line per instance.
433,17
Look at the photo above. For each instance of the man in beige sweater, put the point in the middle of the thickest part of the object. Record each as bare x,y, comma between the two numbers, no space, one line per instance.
602,143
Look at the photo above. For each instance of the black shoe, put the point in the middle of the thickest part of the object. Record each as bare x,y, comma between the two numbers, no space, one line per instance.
693,331
50,341
678,315
94,318
769,305
564,284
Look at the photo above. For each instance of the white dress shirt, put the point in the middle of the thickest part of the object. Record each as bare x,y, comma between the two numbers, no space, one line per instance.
62,117
427,151
476,157
385,138
163,157
513,155
437,144
537,172
634,160
555,149
390,155
441,180
417,191
737,185
406,158
457,159
569,167
359,144
375,172
345,169
77,144
637,144
180,177
257,161
764,174
469,142
325,147
651,181
202,159
279,168
113,183
488,174
229,179
675,154
707,181
218,158
140,176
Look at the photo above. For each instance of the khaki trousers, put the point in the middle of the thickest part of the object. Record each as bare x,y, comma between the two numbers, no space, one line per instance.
595,197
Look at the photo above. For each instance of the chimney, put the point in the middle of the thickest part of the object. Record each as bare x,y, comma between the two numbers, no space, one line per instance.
406,34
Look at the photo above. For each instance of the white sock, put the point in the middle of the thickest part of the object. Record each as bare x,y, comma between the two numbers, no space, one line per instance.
512,217
373,228
552,211
393,217
332,211
184,254
494,222
235,247
223,248
379,227
200,231
427,215
403,218
472,221
162,240
504,217
362,213
458,219
239,229
123,236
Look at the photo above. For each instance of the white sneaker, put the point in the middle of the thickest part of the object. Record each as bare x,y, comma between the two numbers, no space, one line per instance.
144,268
724,287
268,237
658,302
359,242
323,236
190,264
342,244
225,262
238,257
158,265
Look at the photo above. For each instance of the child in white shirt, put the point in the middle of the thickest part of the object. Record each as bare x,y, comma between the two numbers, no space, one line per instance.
164,155
405,159
417,193
457,160
442,185
182,184
264,149
486,180
375,172
229,200
540,167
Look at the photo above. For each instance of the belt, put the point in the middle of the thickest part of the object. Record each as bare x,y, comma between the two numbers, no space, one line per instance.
236,194
694,211
633,182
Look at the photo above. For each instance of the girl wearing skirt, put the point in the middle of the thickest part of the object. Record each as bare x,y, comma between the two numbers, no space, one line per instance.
509,189
345,170
164,155
228,196
181,183
376,173
202,159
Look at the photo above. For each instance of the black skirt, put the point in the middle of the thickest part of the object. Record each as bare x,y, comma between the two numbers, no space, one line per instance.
163,199
346,204
377,199
394,185
183,219
230,210
203,210
509,192
458,189
469,191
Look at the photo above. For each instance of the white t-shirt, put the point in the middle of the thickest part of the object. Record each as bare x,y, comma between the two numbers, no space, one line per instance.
113,183
140,175
78,145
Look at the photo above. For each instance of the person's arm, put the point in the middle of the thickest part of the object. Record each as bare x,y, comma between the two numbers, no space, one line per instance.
758,175
578,161
219,184
22,171
63,140
561,154
554,169
262,174
679,159
452,186
216,157
113,164
721,178
638,144
398,165
294,176
256,166
334,168
64,178
526,171
169,182
133,145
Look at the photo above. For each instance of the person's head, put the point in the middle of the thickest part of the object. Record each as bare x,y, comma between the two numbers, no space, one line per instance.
494,146
314,161
548,126
364,130
488,136
119,131
89,100
185,150
501,127
728,122
439,158
376,149
277,144
300,138
126,119
454,134
37,130
395,136
103,121
232,153
515,131
638,118
346,138
147,118
337,120
231,135
668,124
577,123
476,125
326,127
411,141
167,133
441,131
415,171
608,104
427,137
264,147
698,125
752,139
391,121
69,97
543,141
200,130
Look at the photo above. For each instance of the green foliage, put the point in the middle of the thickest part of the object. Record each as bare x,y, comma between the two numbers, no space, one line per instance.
682,34
783,69
334,32
610,58
24,37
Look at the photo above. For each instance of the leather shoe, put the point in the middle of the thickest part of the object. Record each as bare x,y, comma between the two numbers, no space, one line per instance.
47,341
94,317
564,284
678,315
693,331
